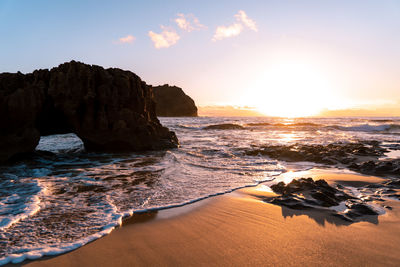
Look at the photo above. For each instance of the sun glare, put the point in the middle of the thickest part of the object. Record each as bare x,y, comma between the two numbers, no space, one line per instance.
292,89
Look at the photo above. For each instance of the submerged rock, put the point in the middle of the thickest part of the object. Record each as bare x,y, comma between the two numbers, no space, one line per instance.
171,101
224,126
109,109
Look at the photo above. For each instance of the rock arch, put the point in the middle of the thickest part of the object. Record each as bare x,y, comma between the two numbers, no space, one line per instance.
108,109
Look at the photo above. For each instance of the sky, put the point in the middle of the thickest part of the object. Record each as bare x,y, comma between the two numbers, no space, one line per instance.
282,57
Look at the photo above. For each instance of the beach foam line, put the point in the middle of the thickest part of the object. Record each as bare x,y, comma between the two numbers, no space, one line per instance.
29,208
107,229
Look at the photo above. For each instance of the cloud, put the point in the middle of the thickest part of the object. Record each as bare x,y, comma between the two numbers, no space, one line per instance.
236,28
227,31
166,38
188,22
127,39
248,22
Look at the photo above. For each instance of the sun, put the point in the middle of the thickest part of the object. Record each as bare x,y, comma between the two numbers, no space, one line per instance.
292,89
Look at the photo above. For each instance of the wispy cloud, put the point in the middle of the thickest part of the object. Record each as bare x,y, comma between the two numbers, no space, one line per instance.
127,39
248,22
166,38
236,28
188,22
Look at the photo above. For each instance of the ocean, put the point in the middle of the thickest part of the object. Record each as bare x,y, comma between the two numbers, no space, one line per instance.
64,197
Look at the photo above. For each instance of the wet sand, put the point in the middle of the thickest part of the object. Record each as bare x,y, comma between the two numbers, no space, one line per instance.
239,229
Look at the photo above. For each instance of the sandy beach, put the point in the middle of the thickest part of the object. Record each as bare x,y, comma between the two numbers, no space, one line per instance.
239,229
212,133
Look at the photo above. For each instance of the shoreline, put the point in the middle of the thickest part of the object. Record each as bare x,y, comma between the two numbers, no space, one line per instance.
238,228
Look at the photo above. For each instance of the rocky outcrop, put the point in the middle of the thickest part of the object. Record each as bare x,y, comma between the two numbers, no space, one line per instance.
306,194
109,109
363,156
171,101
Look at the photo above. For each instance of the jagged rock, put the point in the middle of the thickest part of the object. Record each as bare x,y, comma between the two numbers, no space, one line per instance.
305,193
171,101
317,193
109,109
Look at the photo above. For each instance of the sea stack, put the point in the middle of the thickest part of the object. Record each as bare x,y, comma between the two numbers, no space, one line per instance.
109,109
171,101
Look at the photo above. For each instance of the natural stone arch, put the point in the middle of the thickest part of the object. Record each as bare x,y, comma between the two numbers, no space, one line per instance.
108,109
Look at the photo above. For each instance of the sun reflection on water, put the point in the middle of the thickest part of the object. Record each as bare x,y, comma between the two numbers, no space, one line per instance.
288,177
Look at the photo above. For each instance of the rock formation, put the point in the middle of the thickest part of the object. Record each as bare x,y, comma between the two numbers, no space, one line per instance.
109,109
305,194
171,101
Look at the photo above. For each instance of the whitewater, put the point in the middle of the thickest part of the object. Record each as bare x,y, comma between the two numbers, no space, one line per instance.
64,197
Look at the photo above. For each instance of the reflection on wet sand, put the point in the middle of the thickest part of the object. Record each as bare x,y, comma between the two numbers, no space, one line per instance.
323,217
140,217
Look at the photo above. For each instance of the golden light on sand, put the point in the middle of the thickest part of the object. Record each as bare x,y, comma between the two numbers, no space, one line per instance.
293,89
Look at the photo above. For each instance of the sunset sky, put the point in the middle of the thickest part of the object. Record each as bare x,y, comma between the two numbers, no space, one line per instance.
281,57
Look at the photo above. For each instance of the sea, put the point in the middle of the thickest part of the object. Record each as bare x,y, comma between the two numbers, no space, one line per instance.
65,197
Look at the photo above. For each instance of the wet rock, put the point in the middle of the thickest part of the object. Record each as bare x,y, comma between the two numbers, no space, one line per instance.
324,198
346,160
279,187
354,166
358,208
339,186
305,193
374,186
384,167
290,202
171,101
109,109
314,192
348,154
395,183
368,166
224,126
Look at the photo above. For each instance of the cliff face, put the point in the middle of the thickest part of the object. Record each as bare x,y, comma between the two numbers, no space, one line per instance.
171,101
109,109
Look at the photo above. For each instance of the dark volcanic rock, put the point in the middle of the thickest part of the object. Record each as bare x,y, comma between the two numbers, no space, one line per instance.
305,193
171,101
109,109
319,192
